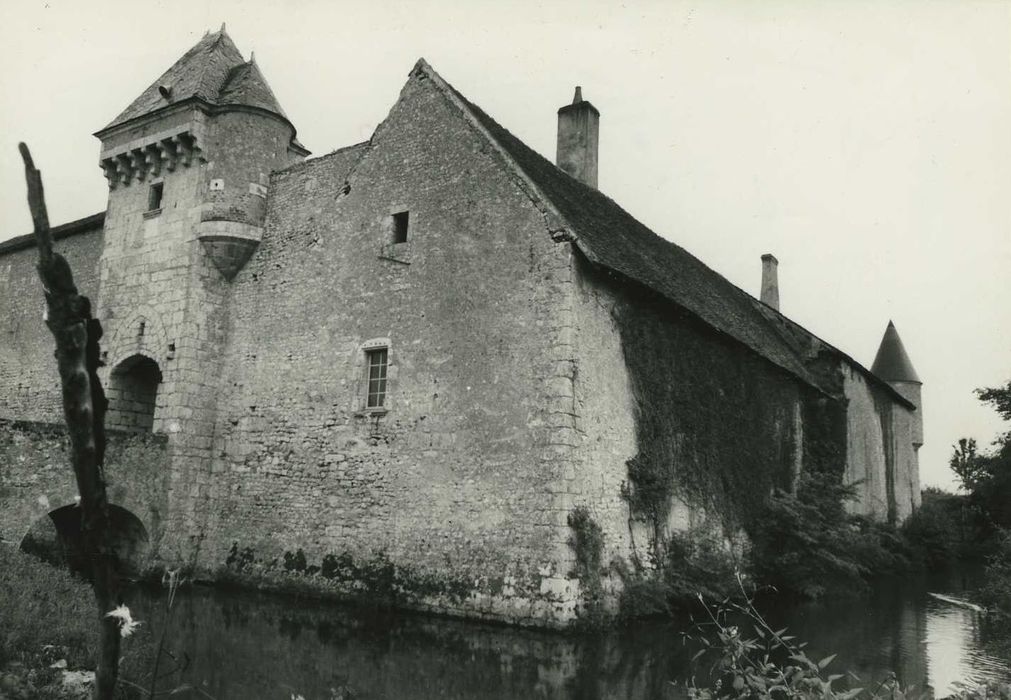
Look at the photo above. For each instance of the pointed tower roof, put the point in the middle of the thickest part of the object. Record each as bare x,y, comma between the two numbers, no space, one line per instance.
892,363
213,71
245,85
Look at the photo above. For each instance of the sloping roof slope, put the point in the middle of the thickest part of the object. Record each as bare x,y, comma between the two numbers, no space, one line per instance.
246,85
89,224
214,71
892,363
807,345
611,237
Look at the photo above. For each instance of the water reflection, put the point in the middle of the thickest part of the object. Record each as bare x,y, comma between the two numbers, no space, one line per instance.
246,645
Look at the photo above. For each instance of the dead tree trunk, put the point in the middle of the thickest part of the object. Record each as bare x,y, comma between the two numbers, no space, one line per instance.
68,315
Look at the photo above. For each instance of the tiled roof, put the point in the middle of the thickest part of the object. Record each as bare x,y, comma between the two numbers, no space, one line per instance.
247,86
612,238
807,345
213,71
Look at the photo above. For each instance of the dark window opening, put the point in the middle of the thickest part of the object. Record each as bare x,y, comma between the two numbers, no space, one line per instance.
133,394
400,221
154,196
377,365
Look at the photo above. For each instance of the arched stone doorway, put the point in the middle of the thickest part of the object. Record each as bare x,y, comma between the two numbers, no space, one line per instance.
133,394
56,538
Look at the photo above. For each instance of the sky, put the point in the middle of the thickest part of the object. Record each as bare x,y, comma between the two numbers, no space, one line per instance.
866,144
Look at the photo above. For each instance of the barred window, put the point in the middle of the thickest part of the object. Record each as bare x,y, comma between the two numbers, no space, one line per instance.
377,362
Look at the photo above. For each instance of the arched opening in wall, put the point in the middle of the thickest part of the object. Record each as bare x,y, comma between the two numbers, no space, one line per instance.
56,539
132,394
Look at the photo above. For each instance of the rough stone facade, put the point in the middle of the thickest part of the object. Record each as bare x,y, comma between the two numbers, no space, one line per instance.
29,381
243,291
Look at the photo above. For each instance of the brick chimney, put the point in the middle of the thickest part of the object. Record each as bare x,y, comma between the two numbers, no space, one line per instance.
770,281
578,127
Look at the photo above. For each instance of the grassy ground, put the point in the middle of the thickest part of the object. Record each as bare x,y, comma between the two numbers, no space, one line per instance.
46,615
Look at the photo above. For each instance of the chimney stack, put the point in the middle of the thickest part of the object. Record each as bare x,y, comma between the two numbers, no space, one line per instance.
578,127
770,281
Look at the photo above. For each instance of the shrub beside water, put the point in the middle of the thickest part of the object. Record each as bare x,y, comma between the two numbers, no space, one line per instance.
995,593
806,544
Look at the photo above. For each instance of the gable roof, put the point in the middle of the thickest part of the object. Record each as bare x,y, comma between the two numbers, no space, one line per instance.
214,71
613,239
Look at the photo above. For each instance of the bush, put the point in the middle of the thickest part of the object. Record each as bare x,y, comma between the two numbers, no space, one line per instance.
690,564
934,531
806,544
996,591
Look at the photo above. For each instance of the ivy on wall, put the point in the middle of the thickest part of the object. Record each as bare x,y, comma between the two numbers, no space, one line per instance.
714,422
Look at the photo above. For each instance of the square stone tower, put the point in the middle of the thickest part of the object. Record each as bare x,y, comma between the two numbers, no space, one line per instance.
188,164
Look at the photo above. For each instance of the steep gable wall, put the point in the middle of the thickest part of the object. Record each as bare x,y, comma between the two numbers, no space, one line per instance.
453,490
29,381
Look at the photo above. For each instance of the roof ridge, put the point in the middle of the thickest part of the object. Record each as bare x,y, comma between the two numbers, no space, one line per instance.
567,216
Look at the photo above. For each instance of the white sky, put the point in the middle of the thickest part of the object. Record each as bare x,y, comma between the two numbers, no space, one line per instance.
866,144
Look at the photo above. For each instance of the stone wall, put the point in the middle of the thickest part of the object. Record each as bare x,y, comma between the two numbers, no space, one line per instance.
652,381
29,381
454,485
132,393
36,477
881,459
164,299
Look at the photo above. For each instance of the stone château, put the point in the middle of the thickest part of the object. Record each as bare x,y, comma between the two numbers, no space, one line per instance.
416,357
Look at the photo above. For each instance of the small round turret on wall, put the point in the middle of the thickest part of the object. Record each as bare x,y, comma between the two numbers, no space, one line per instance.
246,145
893,365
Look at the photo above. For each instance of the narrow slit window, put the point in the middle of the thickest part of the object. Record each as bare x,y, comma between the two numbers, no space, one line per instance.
154,196
377,361
400,222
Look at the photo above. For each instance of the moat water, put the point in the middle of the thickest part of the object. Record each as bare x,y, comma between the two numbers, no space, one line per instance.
247,645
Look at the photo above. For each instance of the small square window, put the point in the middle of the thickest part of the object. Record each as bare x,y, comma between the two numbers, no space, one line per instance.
377,363
154,196
400,222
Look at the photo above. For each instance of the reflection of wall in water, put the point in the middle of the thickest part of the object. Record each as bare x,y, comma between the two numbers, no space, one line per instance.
246,645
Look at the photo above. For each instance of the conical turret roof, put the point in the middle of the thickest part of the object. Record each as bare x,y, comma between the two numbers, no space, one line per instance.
892,363
246,85
213,71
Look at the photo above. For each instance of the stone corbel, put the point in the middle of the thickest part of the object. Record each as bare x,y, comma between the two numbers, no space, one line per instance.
138,164
185,150
169,153
196,145
123,168
152,160
109,169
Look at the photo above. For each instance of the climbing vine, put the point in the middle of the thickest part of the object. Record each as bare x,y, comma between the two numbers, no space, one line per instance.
587,542
714,422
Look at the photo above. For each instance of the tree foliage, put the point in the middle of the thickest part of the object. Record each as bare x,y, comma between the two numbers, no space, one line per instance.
986,474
